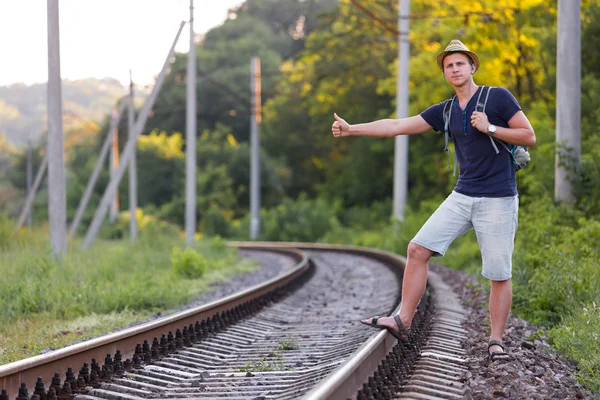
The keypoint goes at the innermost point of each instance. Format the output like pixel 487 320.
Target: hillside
pixel 23 107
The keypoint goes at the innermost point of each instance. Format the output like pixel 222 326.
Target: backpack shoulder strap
pixel 484 94
pixel 447 115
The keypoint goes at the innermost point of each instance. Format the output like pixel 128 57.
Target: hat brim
pixel 473 56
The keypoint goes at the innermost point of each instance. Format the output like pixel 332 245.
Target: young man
pixel 485 197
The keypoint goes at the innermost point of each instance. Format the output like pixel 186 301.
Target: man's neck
pixel 464 92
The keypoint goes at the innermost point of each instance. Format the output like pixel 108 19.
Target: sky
pixel 99 38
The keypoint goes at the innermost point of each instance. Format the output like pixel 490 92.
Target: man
pixel 485 197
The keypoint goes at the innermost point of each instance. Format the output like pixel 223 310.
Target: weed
pixel 271 362
pixel 288 345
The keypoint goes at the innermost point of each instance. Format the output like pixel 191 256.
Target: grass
pixel 49 303
pixel 42 333
pixel 578 338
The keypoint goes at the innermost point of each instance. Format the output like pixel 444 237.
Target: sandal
pixel 402 333
pixel 497 355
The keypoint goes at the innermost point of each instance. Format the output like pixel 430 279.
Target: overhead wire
pixel 384 22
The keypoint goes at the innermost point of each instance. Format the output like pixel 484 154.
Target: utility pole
pixel 401 141
pixel 96 172
pixel 57 199
pixel 29 179
pixel 132 166
pixel 190 139
pixel 255 120
pixel 568 100
pixel 114 165
pixel 129 148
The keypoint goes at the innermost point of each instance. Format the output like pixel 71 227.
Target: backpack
pixel 520 154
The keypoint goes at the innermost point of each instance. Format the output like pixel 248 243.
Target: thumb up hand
pixel 340 127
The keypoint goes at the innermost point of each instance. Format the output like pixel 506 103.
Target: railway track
pixel 295 336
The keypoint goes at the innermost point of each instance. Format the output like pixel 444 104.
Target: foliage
pixel 147 223
pixel 324 77
pixel 188 263
pixel 256 29
pixel 222 183
pixel 361 84
pixel 557 258
pixel 302 220
pixel 161 169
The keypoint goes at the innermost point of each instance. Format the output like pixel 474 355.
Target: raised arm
pixel 380 128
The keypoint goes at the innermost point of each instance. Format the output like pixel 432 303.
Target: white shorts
pixel 495 220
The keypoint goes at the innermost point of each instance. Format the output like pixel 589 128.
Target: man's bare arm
pixel 519 131
pixel 380 128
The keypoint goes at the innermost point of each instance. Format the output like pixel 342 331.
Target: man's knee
pixel 418 253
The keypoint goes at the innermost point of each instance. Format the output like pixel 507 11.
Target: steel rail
pixel 345 381
pixel 442 352
pixel 46 365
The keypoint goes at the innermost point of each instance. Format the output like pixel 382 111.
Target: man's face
pixel 457 68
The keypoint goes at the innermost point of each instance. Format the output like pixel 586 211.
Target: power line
pixel 226 88
pixel 374 17
pixel 91 125
pixel 384 22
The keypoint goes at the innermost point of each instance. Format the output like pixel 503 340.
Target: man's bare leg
pixel 413 286
pixel 500 303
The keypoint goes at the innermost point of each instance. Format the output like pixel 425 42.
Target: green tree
pixel 259 29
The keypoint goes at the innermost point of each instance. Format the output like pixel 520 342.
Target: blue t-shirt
pixel 483 173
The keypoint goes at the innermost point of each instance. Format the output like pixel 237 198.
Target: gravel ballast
pixel 534 371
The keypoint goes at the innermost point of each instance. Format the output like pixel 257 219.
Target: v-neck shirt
pixel 483 172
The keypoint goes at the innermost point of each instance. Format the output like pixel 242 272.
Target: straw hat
pixel 456 46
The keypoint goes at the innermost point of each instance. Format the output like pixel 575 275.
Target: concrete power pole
pixel 114 165
pixel 568 99
pixel 255 120
pixel 129 148
pixel 132 167
pixel 29 179
pixel 190 139
pixel 57 202
pixel 401 142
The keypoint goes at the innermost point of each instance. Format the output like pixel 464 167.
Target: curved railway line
pixel 294 336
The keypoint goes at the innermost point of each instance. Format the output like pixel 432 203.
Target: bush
pixel 302 220
pixel 148 226
pixel 188 263
pixel 556 262
pixel 363 218
pixel 216 222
